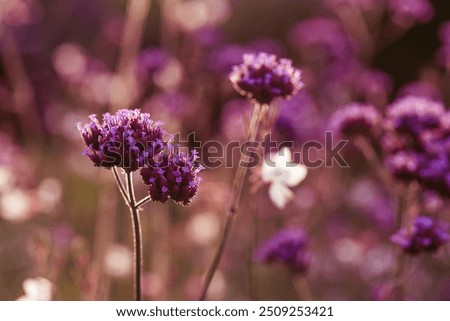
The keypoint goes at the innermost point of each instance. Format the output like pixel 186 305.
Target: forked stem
pixel 234 200
pixel 122 189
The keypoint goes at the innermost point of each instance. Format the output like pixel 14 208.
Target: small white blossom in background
pixel 203 228
pixel 118 261
pixel 281 172
pixel 37 289
pixel 16 205
pixel 48 194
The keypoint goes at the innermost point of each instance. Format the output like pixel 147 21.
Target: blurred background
pixel 65 232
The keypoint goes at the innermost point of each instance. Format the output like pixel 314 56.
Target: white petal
pixel 38 289
pixel 295 174
pixel 273 168
pixel 280 195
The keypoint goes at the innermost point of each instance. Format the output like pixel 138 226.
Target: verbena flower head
pixel 125 139
pixel 404 165
pixel 355 119
pixel 172 176
pixel 264 77
pixel 417 143
pixel 412 115
pixel 289 247
pixel 426 235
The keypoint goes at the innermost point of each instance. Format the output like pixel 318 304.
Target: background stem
pixel 235 196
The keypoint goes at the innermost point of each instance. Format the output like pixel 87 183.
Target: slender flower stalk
pixel 130 140
pixel 261 78
pixel 233 201
pixel 302 288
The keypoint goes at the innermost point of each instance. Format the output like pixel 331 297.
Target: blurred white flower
pixel 118 261
pixel 36 289
pixel 16 205
pixel 203 228
pixel 48 194
pixel 282 173
pixel 6 179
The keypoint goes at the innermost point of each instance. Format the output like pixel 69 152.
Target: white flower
pixel 282 173
pixel 37 289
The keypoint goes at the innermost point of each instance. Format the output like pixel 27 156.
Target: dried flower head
pixel 172 176
pixel 426 235
pixel 288 247
pixel 125 139
pixel 355 119
pixel 264 77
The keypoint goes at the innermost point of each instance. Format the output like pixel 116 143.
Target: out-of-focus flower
pixel 413 115
pixel 444 32
pixel 290 122
pixel 17 13
pixel 355 119
pixel 37 289
pixel 48 194
pixel 279 170
pixel 426 235
pixel 16 205
pixel 349 251
pixel 420 89
pixel 403 165
pixel 70 61
pixel 416 143
pixel 374 85
pixel 126 139
pixel 321 39
pixel 151 60
pixel 170 75
pixel 203 228
pixel 172 176
pixel 201 13
pixel 264 77
pixel 406 12
pixel 118 261
pixel 62 236
pixel 289 247
pixel 371 200
pixel 6 179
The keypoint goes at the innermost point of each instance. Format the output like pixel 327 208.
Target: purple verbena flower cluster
pixel 264 77
pixel 416 142
pixel 172 176
pixel 124 139
pixel 426 235
pixel 131 140
pixel 289 247
pixel 355 119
